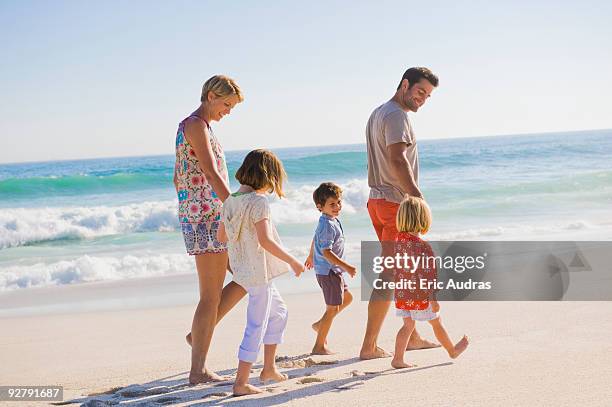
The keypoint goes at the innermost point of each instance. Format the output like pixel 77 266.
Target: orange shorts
pixel 383 213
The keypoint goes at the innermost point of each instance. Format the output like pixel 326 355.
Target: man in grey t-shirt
pixel 393 174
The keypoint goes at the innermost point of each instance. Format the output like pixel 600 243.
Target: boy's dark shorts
pixel 333 286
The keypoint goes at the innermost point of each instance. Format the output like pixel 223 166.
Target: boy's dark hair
pixel 324 191
pixel 416 74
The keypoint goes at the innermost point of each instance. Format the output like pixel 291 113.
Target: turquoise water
pixel 88 220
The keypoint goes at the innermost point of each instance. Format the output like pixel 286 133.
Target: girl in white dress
pixel 256 257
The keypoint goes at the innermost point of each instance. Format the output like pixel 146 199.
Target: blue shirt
pixel 329 235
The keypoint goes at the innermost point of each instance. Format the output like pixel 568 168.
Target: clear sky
pixel 82 79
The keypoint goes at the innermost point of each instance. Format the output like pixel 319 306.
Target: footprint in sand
pixel 94 403
pixel 166 400
pixel 308 362
pixel 311 379
pixel 144 392
pixel 349 386
pixel 220 394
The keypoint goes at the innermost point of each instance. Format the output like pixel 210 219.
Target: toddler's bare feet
pixel 460 347
pixel 317 350
pixel 400 364
pixel 245 389
pixel 271 376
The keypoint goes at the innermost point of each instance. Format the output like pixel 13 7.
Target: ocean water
pixel 72 222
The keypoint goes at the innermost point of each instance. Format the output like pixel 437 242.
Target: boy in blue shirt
pixel 326 256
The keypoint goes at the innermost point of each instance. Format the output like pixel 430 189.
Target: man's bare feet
pixel 421 344
pixel 188 338
pixel 206 377
pixel 460 347
pixel 245 389
pixel 272 376
pixel 322 351
pixel 375 354
pixel 400 364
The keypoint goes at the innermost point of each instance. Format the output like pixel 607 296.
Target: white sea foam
pixel 92 268
pixel 22 226
pixel 106 267
pixel 552 230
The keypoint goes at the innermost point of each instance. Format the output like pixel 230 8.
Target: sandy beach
pixel 521 353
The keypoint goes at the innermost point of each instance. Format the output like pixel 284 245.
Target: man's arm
pixel 396 154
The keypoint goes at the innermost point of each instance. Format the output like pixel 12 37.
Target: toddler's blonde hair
pixel 413 216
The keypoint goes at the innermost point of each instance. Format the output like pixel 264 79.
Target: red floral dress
pixel 418 298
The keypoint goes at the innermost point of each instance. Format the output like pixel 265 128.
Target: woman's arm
pixel 198 137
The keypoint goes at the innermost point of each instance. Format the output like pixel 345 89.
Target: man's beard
pixel 411 104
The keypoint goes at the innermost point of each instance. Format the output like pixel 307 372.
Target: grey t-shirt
pixel 389 124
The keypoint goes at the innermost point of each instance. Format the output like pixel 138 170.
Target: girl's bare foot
pixel 272 376
pixel 206 377
pixel 321 351
pixel 460 347
pixel 400 364
pixel 245 389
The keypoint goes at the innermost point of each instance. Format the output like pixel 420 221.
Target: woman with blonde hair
pixel 202 185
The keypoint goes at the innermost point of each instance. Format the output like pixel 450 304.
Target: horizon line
pixel 309 146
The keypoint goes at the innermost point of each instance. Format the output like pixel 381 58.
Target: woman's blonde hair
pixel 262 169
pixel 221 86
pixel 413 216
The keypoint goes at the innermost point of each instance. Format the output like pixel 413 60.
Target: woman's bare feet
pixel 245 389
pixel 322 351
pixel 375 354
pixel 272 376
pixel 460 347
pixel 400 364
pixel 206 377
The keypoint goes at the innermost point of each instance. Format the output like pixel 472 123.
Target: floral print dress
pixel 199 208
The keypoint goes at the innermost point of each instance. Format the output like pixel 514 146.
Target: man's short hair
pixel 413 75
pixel 324 191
